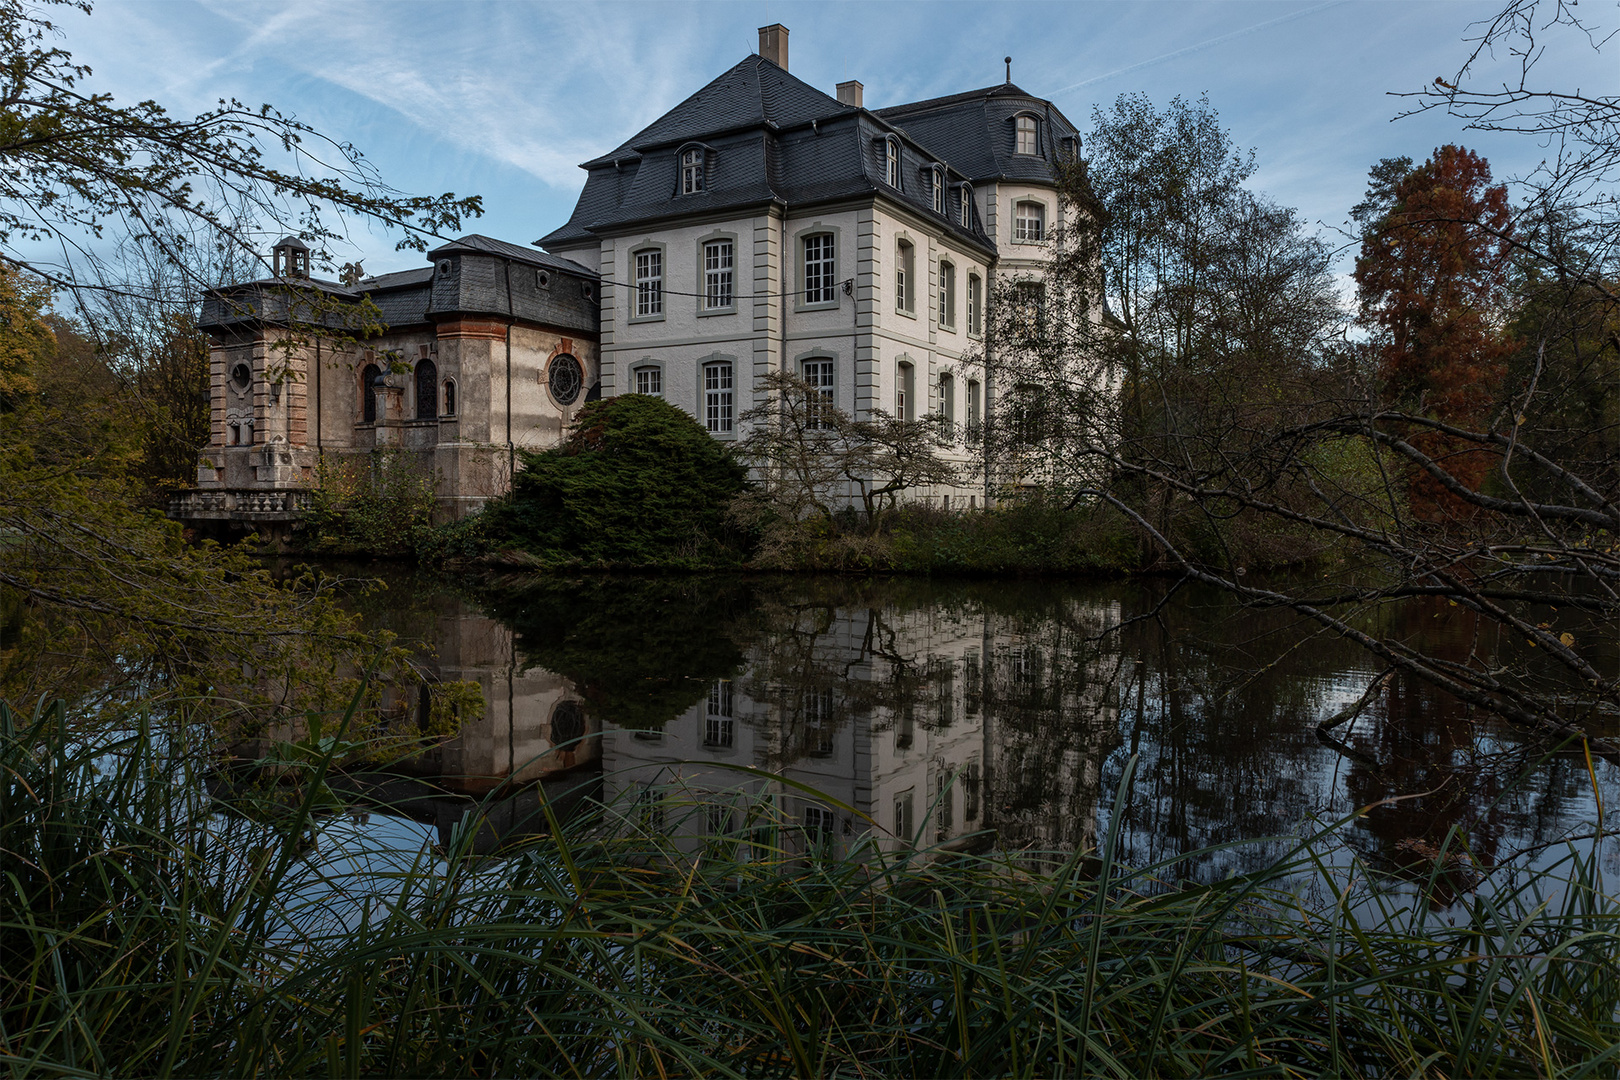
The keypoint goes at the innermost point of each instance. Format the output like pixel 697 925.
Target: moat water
pixel 968 713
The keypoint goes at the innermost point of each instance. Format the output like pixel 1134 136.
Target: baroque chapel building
pixel 760 225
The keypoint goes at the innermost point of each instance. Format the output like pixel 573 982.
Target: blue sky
pixel 505 99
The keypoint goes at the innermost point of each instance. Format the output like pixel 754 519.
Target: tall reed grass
pixel 143 932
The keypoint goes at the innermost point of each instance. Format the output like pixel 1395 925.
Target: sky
pixel 505 99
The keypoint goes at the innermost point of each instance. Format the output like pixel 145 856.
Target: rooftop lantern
pixel 290 258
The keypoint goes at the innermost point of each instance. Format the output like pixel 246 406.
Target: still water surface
pixel 960 713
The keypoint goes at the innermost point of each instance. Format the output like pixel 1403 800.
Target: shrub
pixel 636 483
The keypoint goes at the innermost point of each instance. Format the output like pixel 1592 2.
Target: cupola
pixel 290 258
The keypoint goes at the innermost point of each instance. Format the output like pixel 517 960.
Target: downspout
pixel 511 450
pixel 989 379
pixel 317 398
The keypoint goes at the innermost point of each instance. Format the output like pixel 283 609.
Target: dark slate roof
pixel 754 93
pixel 418 276
pixel 488 245
pixel 974 132
pixel 772 138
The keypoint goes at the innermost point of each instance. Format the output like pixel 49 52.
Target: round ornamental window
pixel 565 379
pixel 241 376
pixel 567 722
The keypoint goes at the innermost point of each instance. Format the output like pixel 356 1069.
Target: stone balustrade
pixel 285 504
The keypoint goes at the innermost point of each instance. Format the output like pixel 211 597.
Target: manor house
pixel 760 225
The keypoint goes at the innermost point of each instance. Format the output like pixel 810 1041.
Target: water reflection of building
pixel 926 727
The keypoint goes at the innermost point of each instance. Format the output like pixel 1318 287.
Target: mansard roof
pixel 769 138
pixel 974 131
pixel 488 245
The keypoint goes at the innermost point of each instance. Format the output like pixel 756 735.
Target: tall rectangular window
pixel 972 404
pixel 1027 143
pixel 649 283
pixel 947 295
pixel 819 375
pixel 939 192
pixel 820 273
pixel 947 398
pixel 891 162
pixel 904 393
pixel 717 267
pixel 650 380
pixel 975 304
pixel 691 172
pixel 718 409
pixel 902 818
pixel 905 273
pixel 1029 225
pixel 966 207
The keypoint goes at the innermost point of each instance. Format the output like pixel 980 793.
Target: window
pixel 1029 223
pixel 902 818
pixel 717 264
pixel 236 433
pixel 720 732
pixel 719 819
pixel 720 699
pixel 891 160
pixel 904 392
pixel 818 722
pixel 449 397
pixel 427 390
pixel 972 404
pixel 368 393
pixel 970 788
pixel 1026 140
pixel 717 401
pixel 975 303
pixel 1069 148
pixel 565 379
pixel 947 295
pixel 649 283
pixel 947 398
pixel 819 375
pixel 939 189
pixel 650 809
pixel 691 172
pixel 820 824
pixel 650 381
pixel 905 271
pixel 819 269
pixel 1029 305
pixel 945 809
pixel 966 208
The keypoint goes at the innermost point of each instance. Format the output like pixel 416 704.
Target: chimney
pixel 773 44
pixel 849 93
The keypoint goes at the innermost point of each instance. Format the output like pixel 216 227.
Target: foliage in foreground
pixel 144 935
pixel 636 483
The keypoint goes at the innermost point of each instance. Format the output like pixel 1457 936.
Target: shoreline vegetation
pixel 153 928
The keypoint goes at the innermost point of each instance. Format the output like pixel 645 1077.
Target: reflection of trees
pixel 641 650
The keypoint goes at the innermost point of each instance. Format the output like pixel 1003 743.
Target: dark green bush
pixel 637 483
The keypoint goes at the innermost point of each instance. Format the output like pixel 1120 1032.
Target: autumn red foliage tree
pixel 1432 277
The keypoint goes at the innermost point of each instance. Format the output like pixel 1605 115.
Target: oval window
pixel 565 379
pixel 241 376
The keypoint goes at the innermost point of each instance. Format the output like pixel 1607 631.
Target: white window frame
pixel 1026 135
pixel 891 162
pixel 820 271
pixel 939 189
pixel 692 171
pixel 905 391
pixel 966 209
pixel 972 403
pixel 947 397
pixel 1029 228
pixel 905 274
pixel 975 304
pixel 719 398
pixel 819 373
pixel 719 274
pixel 649 380
pixel 649 270
pixel 947 294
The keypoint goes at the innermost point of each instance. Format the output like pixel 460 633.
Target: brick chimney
pixel 773 44
pixel 849 93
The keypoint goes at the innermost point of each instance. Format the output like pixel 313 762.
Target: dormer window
pixel 691 171
pixel 966 209
pixel 891 159
pixel 938 176
pixel 1027 129
pixel 1069 148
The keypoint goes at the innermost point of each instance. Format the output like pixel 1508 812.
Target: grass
pixel 143 932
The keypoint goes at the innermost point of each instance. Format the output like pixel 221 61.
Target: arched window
pixel 449 397
pixel 368 393
pixel 427 390
pixel 1027 143
pixel 966 207
pixel 691 171
pixel 891 159
pixel 1029 223
pixel 938 175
